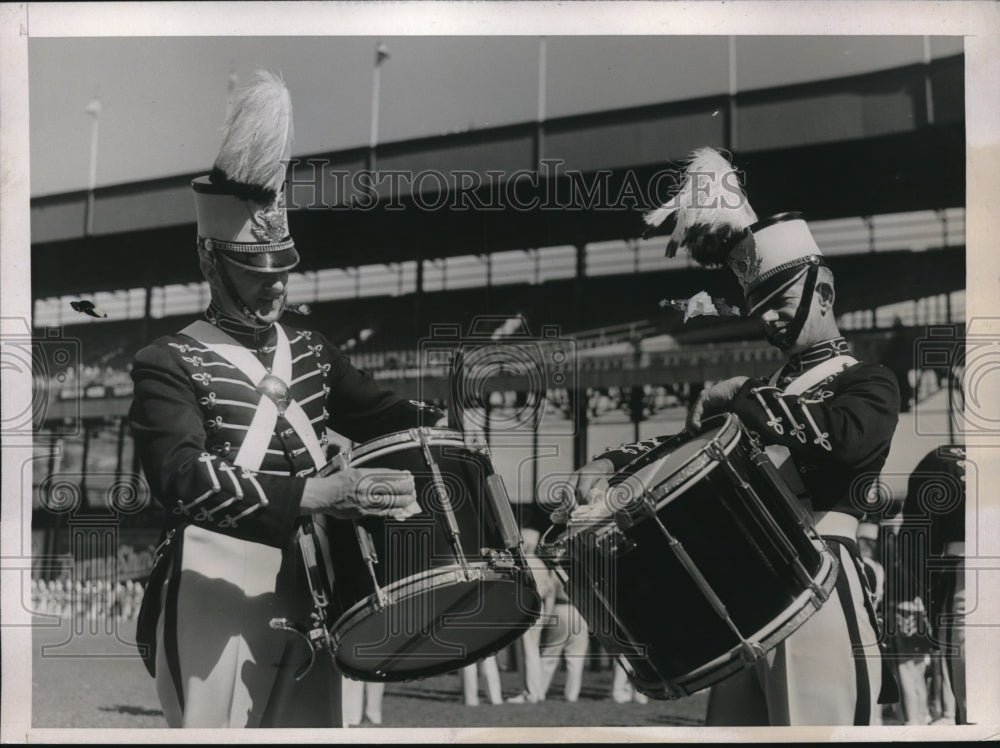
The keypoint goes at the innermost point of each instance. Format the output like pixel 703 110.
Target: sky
pixel 163 99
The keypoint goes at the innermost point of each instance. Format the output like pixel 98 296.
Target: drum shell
pixel 643 604
pixel 422 573
pixel 418 543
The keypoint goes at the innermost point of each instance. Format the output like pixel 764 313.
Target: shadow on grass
pixel 676 720
pixel 134 710
pixel 428 694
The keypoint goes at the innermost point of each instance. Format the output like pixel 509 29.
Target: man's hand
pixel 353 493
pixel 587 485
pixel 713 400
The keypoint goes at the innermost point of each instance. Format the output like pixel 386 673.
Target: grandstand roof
pixel 851 146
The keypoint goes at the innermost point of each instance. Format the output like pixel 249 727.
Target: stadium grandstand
pixel 558 249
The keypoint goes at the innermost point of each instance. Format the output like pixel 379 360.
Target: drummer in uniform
pixel 935 507
pixel 827 422
pixel 230 419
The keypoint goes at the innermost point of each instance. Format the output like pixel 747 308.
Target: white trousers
pixel 826 673
pixel 218 662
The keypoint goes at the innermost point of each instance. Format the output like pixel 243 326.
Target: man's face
pixel 263 293
pixel 779 315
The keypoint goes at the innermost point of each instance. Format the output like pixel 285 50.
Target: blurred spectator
pixel 898 357
pixel 907 627
pixel 533 686
pixel 568 638
pixel 942 698
pixel 912 651
pixel 95 600
pixel 361 702
pixel 935 505
pixel 491 674
pixel 622 691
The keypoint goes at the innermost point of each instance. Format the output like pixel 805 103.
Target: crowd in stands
pixel 90 599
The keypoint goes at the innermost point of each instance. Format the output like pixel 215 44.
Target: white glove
pixel 588 484
pixel 353 493
pixel 714 400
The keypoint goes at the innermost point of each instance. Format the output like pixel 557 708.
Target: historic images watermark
pixel 53 361
pixel 479 360
pixel 316 184
pixel 967 356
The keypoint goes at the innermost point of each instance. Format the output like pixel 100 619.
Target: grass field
pixel 85 680
pixel 96 681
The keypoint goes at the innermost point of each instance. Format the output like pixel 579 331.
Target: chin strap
pixel 227 283
pixel 805 303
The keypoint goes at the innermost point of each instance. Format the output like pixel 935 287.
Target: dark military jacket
pixel 192 410
pixel 837 432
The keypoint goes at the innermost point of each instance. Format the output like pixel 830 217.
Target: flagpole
pixel 381 54
pixel 928 87
pixel 94 111
pixel 231 83
pixel 540 122
pixel 733 88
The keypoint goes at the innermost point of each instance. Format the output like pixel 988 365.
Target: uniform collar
pixel 816 354
pixel 258 338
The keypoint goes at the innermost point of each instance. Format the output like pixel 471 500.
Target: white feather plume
pixel 257 143
pixel 708 211
pixel 656 217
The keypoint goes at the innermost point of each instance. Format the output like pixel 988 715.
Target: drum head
pixel 663 469
pixel 434 623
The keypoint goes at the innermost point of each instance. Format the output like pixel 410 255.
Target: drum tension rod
pixel 752 650
pixel 318 635
pixel 370 557
pixel 442 494
pixel 820 596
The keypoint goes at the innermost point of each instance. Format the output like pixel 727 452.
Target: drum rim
pixel 423 582
pixel 408 587
pixel 547 551
pixel 697 465
pixel 435 436
pixel 700 464
pixel 768 637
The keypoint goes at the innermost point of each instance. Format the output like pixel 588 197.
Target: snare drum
pixel 704 561
pixel 441 589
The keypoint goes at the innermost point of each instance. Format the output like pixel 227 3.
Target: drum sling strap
pixel 254 446
pixel 311 533
pixel 780 455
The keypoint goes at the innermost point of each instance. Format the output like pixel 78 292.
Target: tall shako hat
pixel 241 204
pixel 711 216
